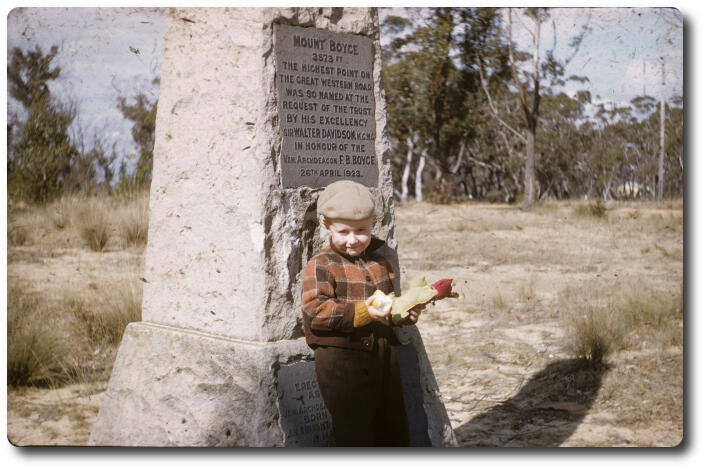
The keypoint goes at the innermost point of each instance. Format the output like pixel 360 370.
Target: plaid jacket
pixel 332 284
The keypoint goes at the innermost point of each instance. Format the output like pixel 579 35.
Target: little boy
pixel 353 342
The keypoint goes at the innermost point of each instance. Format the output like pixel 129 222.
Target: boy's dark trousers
pixel 363 393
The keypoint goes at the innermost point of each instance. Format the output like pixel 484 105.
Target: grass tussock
pixel 93 224
pixel 18 235
pixel 631 317
pixel 595 209
pixel 60 213
pixel 57 343
pixel 594 334
pixel 499 302
pixel 674 204
pixel 134 222
pixel 547 205
pixel 82 222
pixel 35 350
pixel 668 223
pixel 103 323
pixel 527 293
pixel 458 226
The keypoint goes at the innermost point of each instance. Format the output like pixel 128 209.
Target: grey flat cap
pixel 346 200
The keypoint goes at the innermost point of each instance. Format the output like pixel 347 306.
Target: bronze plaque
pixel 326 107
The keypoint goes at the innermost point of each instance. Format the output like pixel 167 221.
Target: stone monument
pixel 259 109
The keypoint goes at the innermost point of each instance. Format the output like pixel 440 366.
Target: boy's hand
pixel 413 316
pixel 375 314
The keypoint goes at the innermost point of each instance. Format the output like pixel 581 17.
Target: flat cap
pixel 346 200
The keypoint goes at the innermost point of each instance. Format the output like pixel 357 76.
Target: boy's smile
pixel 350 237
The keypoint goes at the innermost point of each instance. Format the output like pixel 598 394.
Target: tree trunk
pixel 418 183
pixel 660 167
pixel 407 168
pixel 529 172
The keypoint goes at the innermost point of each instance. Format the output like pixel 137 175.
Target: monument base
pixel 177 387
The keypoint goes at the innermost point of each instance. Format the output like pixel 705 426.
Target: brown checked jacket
pixel 333 284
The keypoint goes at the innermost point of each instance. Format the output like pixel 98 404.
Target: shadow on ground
pixel 544 413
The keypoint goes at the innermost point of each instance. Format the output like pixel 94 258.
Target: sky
pixel 621 52
pixel 104 53
pixel 99 58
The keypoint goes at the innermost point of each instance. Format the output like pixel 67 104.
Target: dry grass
pixel 35 349
pixel 103 323
pixel 514 267
pixel 527 293
pixel 499 303
pixel 601 323
pixel 594 333
pixel 547 205
pixel 53 343
pixel 595 209
pixel 18 235
pixel 101 223
pixel 93 224
pixel 60 213
pixel 564 287
pixel 133 220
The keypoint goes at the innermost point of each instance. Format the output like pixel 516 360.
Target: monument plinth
pixel 259 108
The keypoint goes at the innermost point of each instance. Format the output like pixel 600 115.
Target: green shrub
pixel 595 209
pixel 495 196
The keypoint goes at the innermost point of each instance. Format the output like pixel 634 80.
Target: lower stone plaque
pixel 303 414
pixel 306 421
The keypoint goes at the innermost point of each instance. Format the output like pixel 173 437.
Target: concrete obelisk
pixel 245 141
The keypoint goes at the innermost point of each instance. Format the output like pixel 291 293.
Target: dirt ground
pixel 499 355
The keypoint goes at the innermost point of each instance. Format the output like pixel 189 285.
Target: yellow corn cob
pixel 420 293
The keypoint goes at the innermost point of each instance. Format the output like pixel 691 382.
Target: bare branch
pixel 577 40
pixel 493 109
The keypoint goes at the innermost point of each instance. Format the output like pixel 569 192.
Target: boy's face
pixel 351 237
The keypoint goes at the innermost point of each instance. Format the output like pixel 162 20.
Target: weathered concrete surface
pixel 227 245
pixel 172 387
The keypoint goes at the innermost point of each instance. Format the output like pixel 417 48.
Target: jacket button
pixel 366 342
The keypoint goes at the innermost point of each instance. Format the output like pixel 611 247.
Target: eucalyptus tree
pixel 141 110
pixel 562 144
pixel 532 78
pixel 41 153
pixel 491 142
pixel 425 100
